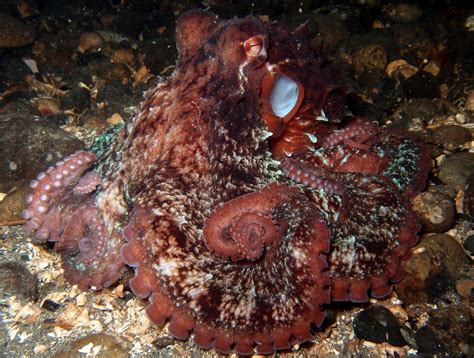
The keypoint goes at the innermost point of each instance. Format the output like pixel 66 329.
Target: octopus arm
pixel 61 209
pixel 372 228
pixel 259 304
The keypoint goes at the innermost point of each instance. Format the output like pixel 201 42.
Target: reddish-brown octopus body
pixel 241 207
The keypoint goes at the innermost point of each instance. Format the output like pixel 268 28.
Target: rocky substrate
pixel 69 71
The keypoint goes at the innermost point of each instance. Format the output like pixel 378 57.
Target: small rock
pixel 456 169
pixel 163 341
pixel 436 211
pixel 60 119
pixel 142 75
pixel 47 106
pixel 330 30
pixel 431 272
pixel 33 145
pixel 98 345
pixel 469 244
pixel 427 342
pixel 452 326
pixel 77 99
pixel 468 200
pixel 115 97
pixel 14 33
pixel 90 41
pixel 469 23
pixel 124 56
pixel 377 324
pixel 402 67
pixel 423 109
pixel 50 305
pixel 115 119
pixel 12 205
pixel 422 85
pixel 372 56
pixel 94 122
pixel 119 71
pixel 17 280
pixel 404 13
pixel 465 286
pixel 469 104
pixel 158 55
pixel 451 136
pixel 432 67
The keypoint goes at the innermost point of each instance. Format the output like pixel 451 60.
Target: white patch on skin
pixel 299 257
pixel 312 137
pixel 322 117
pixel 167 267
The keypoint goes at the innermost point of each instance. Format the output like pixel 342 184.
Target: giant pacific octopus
pixel 242 195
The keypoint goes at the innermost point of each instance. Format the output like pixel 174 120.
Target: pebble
pixel 432 67
pixel 465 287
pixel 372 56
pixel 404 13
pixel 158 55
pixel 436 211
pixel 400 67
pixel 422 109
pixel 115 97
pixel 163 342
pixel 124 56
pixel 431 272
pixel 50 305
pixel 456 169
pixel 469 244
pixel 469 103
pixel 421 85
pixel 427 342
pixel 119 71
pixel 377 324
pixel 13 204
pixel 330 30
pixel 90 41
pixel 47 106
pixel 77 99
pixel 14 33
pixel 468 200
pixel 99 345
pixel 17 280
pixel 450 326
pixel 33 145
pixel 450 136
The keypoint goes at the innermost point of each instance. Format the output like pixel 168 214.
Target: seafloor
pixel 70 70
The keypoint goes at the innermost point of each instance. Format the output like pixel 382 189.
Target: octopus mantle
pixel 240 195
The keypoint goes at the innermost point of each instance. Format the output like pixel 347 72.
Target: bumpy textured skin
pixel 229 245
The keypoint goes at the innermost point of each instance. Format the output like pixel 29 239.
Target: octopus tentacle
pixel 223 302
pixel 370 235
pixel 61 209
pixel 356 134
pixel 87 183
pixel 50 188
pixel 310 176
pixel 242 227
pixel 90 254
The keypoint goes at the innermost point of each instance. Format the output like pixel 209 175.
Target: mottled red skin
pixel 228 244
pixel 325 93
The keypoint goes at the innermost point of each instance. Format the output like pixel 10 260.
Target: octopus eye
pixel 285 96
pixel 254 46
